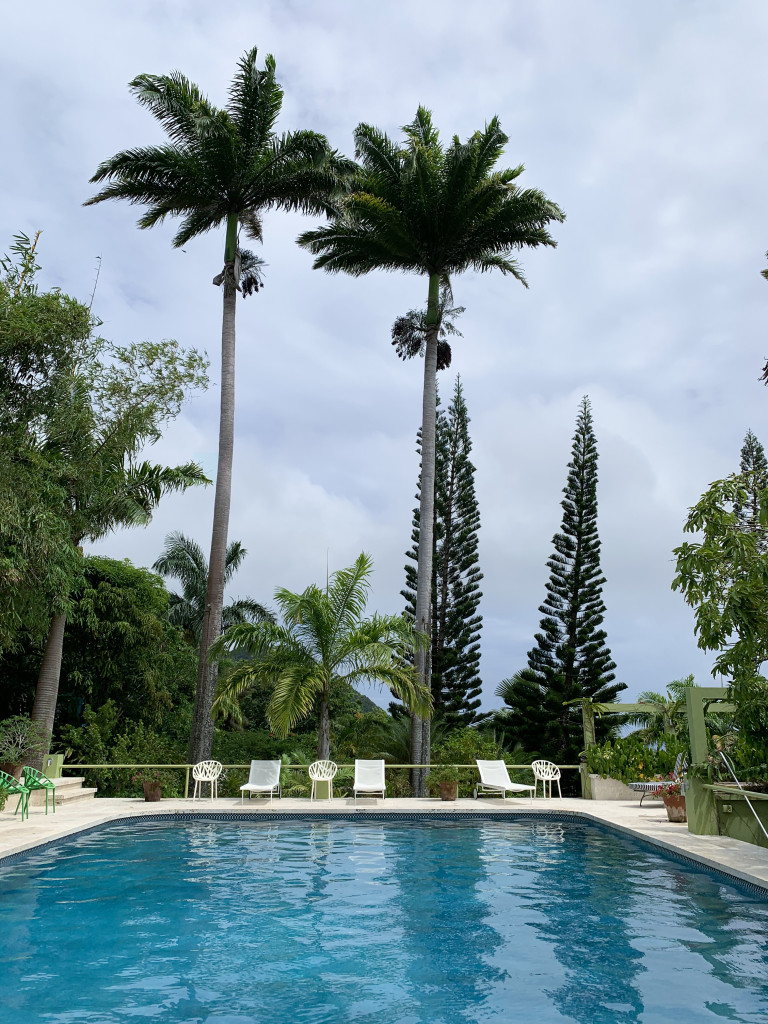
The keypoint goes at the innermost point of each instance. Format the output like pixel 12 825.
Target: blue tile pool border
pixel 376 815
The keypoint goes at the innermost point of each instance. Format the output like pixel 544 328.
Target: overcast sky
pixel 644 122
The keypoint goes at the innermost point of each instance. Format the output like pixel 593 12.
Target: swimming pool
pixel 377 922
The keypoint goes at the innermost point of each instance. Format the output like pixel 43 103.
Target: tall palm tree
pixel 183 559
pixel 220 167
pixel 322 644
pixel 436 211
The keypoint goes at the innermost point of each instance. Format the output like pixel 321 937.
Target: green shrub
pixel 21 740
pixel 628 759
pixel 465 746
pixel 99 741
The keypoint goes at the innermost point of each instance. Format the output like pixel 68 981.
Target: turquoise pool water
pixel 376 922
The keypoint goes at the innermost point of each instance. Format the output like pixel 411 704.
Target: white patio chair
pixel 322 771
pixel 206 771
pixel 369 778
pixel 545 772
pixel 494 778
pixel 264 777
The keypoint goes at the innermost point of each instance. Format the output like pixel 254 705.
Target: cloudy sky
pixel 645 122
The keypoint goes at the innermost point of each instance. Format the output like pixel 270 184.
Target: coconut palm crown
pixel 424 208
pixel 221 167
pixel 322 643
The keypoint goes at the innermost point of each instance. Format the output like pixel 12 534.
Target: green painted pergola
pixel 699 801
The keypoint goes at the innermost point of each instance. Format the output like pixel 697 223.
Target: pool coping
pixel 731 859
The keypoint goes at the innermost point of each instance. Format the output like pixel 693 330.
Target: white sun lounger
pixel 369 779
pixel 264 777
pixel 494 778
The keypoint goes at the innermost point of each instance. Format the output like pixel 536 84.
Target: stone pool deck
pixel 649 822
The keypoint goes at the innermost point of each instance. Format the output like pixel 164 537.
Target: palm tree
pixel 323 643
pixel 437 211
pixel 665 715
pixel 101 491
pixel 220 167
pixel 183 559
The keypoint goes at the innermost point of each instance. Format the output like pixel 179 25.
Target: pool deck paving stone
pixel 649 822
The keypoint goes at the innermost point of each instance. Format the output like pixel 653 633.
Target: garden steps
pixel 68 790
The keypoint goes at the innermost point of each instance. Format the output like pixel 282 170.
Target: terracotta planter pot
pixel 152 791
pixel 449 790
pixel 12 769
pixel 675 804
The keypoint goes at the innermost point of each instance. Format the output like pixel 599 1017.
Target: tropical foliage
pixel 724 578
pixel 322 644
pixel 79 460
pixel 183 559
pixel 665 716
pixel 631 759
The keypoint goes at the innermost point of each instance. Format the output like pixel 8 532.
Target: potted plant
pixel 21 740
pixel 446 778
pixel 674 801
pixel 152 781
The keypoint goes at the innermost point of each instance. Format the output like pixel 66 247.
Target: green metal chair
pixel 34 779
pixel 13 787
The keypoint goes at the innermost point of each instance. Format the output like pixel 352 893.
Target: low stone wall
pixel 610 789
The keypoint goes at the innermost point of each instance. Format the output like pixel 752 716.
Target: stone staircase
pixel 68 791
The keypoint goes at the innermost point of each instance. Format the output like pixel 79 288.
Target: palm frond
pixel 243 610
pixel 251 272
pixel 178 104
pixel 296 690
pixel 409 332
pixel 255 101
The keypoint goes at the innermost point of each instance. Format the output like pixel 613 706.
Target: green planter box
pixel 739 822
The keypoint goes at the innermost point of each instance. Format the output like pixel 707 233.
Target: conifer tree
pixel 754 472
pixel 455 624
pixel 571 658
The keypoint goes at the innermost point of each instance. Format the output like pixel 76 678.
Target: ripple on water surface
pixel 376 922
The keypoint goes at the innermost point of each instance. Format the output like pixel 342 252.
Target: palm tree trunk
pixel 201 740
pixel 47 692
pixel 324 731
pixel 420 755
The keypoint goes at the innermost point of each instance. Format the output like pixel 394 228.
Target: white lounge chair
pixel 206 771
pixel 264 777
pixel 322 771
pixel 494 778
pixel 369 778
pixel 546 772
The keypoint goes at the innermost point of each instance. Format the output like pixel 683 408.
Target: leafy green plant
pixel 21 739
pixel 100 741
pixel 465 746
pixel 442 773
pixel 628 759
pixel 154 777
